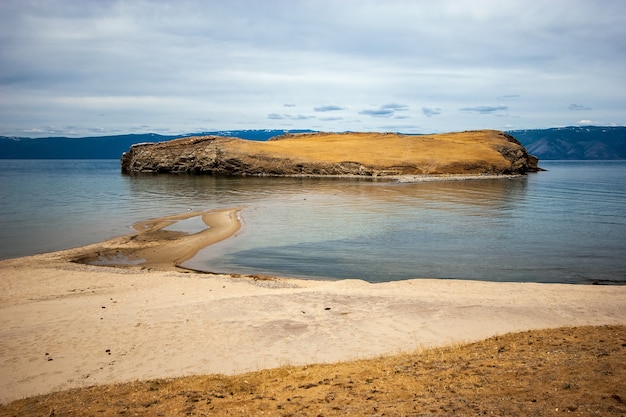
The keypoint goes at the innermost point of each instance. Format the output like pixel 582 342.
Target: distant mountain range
pixel 574 142
pixel 106 147
pixel 589 142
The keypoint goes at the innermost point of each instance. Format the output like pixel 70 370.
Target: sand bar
pixel 65 324
pixel 159 243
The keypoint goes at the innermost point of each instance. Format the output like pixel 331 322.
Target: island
pixel 336 154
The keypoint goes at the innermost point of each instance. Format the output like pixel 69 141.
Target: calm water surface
pixel 564 225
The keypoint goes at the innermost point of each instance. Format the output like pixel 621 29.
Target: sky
pixel 106 67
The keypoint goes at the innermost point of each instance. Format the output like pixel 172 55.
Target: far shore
pixel 67 323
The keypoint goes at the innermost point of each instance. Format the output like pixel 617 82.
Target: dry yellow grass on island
pixel 141 336
pixel 419 154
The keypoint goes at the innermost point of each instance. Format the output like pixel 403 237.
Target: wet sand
pixel 159 244
pixel 65 323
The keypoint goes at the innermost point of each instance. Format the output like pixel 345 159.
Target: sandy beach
pixel 66 322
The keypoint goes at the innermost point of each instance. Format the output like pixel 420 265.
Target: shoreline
pixel 65 323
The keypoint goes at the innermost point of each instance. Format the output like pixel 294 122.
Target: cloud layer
pixel 79 67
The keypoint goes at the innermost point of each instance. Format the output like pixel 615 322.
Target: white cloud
pixel 386 110
pixel 276 116
pixel 577 107
pixel 508 97
pixel 431 111
pixel 171 66
pixel 328 107
pixel 379 112
pixel 484 109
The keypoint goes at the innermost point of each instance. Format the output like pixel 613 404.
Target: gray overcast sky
pixel 96 67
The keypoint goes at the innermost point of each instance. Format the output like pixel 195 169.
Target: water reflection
pixel 373 230
pixel 210 191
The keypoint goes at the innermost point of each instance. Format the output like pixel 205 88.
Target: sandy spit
pixel 65 324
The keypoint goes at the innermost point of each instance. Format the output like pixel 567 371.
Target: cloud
pixel 329 107
pixel 168 64
pixel 276 116
pixel 406 128
pixel 431 111
pixel 377 112
pixel 386 110
pixel 577 107
pixel 586 122
pixel 508 97
pixel 395 107
pixel 484 109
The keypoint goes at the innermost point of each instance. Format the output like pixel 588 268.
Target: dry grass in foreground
pixel 575 371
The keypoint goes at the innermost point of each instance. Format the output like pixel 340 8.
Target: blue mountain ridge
pixel 572 142
pixel 107 147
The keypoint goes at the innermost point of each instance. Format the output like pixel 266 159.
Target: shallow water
pixel 191 225
pixel 564 225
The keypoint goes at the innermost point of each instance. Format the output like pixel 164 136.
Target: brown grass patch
pixel 576 371
pixel 428 152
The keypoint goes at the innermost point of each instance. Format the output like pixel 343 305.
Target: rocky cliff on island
pixel 319 154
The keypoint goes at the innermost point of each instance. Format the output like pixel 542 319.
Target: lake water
pixel 567 224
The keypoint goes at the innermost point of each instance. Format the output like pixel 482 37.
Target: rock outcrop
pixel 359 154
